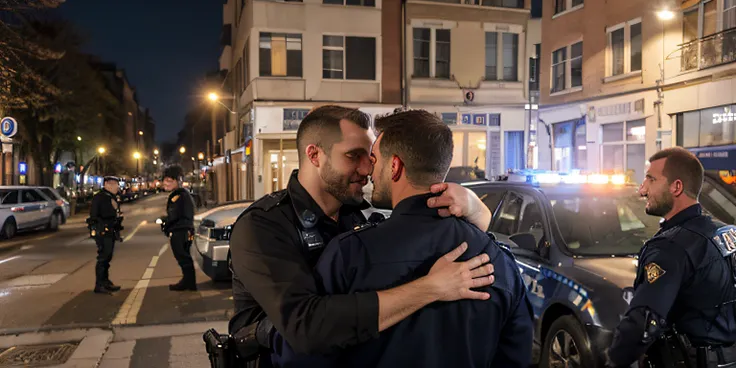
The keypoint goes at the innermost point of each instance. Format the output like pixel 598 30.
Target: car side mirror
pixel 525 241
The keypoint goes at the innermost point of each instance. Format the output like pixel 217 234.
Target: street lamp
pixel 101 150
pixel 155 152
pixel 140 132
pixel 200 156
pixel 665 14
pixel 137 157
pixel 182 150
pixel 212 96
pixel 79 138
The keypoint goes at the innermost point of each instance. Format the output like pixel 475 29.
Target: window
pixel 429 64
pixel 491 197
pixel 514 150
pixel 50 194
pixel 622 151
pixel 9 196
pixel 450 118
pixel 491 55
pixel 562 5
pixel 348 58
pixel 567 73
pixel 507 220
pixel 519 4
pixel 280 55
pixel 351 2
pixel 729 14
pixel 559 58
pixel 30 196
pixel 509 42
pixel 624 48
pixel 510 56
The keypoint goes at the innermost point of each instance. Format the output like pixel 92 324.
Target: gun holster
pixel 92 227
pixel 221 350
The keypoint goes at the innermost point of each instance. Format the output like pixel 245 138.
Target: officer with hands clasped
pixel 104 224
pixel 178 225
pixel 683 312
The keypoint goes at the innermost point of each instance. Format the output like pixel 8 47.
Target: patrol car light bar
pixel 550 177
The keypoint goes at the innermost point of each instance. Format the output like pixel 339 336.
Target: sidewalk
pixel 178 345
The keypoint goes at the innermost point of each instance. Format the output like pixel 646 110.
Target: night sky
pixel 165 46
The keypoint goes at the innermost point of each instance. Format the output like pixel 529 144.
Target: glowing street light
pixel 200 156
pixel 665 14
pixel 137 156
pixel 140 132
pixel 79 138
pixel 182 149
pixel 155 152
pixel 212 96
pixel 101 150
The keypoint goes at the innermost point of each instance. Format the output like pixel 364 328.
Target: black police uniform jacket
pixel 469 333
pixel 685 280
pixel 179 211
pixel 104 210
pixel 273 273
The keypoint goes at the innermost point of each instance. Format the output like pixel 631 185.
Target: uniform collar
pixel 307 209
pixel 682 216
pixel 415 205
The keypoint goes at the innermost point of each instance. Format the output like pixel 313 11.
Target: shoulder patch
pixel 654 272
pixel 175 198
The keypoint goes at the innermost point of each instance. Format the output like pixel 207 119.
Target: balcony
pixel 709 51
pixel 515 4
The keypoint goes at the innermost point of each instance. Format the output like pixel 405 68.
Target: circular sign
pixel 469 96
pixel 8 127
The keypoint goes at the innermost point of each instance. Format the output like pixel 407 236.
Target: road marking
pixel 128 313
pixel 9 259
pixel 135 230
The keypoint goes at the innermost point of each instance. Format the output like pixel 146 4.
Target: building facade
pixel 467 62
pixel 622 80
pixel 285 58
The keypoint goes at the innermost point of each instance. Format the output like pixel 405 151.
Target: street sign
pixel 8 126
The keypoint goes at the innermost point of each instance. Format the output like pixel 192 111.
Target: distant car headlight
pixel 221 234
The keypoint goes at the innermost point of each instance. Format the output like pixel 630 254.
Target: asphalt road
pixel 46 279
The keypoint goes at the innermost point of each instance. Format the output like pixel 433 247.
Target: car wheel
pixel 54 222
pixel 566 345
pixel 9 229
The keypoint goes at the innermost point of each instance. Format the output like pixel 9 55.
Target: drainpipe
pixel 405 78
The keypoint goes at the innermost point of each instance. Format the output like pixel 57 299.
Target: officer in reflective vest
pixel 683 309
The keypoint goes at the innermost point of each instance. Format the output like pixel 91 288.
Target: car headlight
pixel 221 234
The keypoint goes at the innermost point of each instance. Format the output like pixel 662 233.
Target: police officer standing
pixel 684 304
pixel 104 223
pixel 179 226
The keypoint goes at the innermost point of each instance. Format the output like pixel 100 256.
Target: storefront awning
pixel 716 158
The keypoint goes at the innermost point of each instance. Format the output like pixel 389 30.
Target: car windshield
pixel 603 222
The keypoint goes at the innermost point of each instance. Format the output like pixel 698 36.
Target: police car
pixel 576 239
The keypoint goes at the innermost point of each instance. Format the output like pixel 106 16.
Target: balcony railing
pixel 709 51
pixel 516 4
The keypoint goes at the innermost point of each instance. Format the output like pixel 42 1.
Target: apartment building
pixel 286 57
pixel 621 80
pixel 467 62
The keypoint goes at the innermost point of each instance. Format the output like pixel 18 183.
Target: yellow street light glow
pixel 137 155
pixel 200 156
pixel 182 149
pixel 665 14
pixel 79 138
pixel 140 132
pixel 155 152
pixel 101 150
pixel 213 96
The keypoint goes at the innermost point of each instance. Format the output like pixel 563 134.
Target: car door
pixel 9 204
pixel 35 208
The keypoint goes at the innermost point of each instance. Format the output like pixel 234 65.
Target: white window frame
pixel 432 49
pixel 622 142
pixel 499 55
pixel 722 13
pixel 568 88
pixel 568 8
pixel 335 48
pixel 626 26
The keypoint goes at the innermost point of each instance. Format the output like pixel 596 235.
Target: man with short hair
pixel 102 223
pixel 414 151
pixel 277 240
pixel 685 277
pixel 179 226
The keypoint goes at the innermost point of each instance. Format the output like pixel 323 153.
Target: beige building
pixel 606 98
pixel 466 61
pixel 286 57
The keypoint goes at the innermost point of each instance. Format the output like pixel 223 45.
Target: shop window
pixel 514 145
pixel 458 150
pixel 477 149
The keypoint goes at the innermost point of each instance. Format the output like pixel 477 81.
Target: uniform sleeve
pixel 662 270
pixel 274 270
pixel 94 211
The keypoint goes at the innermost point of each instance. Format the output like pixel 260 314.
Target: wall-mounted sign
pixel 480 119
pixel 716 158
pixel 469 96
pixel 8 127
pixel 22 168
pixel 466 119
pixel 293 117
pixel 725 117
